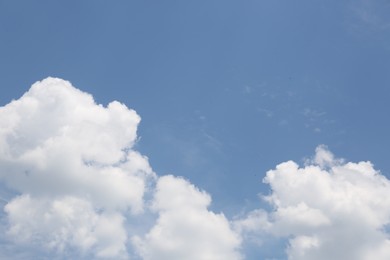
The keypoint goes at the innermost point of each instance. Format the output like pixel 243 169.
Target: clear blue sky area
pixel 226 89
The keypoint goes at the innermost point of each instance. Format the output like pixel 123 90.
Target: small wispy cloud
pixel 248 89
pixel 315 119
pixel 266 112
pixel 372 14
pixel 313 114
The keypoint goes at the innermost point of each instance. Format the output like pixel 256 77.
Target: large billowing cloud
pixel 78 185
pixel 72 165
pixel 329 209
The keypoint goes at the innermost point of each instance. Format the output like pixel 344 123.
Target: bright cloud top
pixel 80 185
pixel 72 163
pixel 328 209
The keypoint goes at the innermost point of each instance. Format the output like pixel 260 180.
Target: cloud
pixel 75 186
pixel 371 15
pixel 328 209
pixel 78 186
pixel 72 165
pixel 67 222
pixel 185 228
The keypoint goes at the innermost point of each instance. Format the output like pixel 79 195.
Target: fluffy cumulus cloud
pixel 185 229
pixel 77 185
pixel 71 163
pixel 328 209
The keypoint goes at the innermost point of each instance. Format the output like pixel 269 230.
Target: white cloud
pixel 328 209
pixel 67 222
pixel 71 161
pixel 185 228
pixel 78 186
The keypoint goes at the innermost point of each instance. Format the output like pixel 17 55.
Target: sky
pixel 210 129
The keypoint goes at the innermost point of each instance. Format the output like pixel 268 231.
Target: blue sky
pixel 226 90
